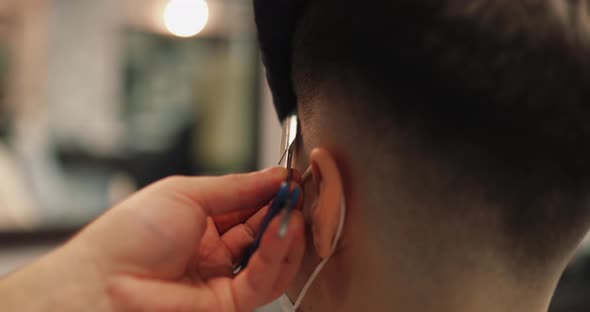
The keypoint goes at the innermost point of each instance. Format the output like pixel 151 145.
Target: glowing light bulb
pixel 186 18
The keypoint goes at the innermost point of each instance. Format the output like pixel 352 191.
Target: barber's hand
pixel 173 247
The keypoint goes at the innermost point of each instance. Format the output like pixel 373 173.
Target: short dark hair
pixel 500 88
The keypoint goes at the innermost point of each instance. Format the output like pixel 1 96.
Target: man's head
pixel 460 125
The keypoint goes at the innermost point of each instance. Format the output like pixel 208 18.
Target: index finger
pixel 226 221
pixel 230 193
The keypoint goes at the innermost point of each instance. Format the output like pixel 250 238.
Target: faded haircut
pixel 498 89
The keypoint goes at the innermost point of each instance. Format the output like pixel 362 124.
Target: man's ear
pixel 326 213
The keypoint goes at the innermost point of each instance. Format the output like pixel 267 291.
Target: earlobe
pixel 326 214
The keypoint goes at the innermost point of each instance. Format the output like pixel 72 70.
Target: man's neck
pixel 365 276
pixel 394 279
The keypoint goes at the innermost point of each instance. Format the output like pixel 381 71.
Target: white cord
pixel 324 261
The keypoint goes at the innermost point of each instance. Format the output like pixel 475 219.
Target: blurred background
pixel 101 98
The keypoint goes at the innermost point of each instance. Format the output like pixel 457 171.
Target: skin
pixel 170 247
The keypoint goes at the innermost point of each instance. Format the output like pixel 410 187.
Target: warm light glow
pixel 186 18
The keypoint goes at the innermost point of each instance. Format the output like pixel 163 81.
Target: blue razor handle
pixel 275 208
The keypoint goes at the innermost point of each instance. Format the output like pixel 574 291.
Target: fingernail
pixel 291 203
pixel 284 225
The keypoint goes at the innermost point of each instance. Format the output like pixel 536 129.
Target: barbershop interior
pixel 99 99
